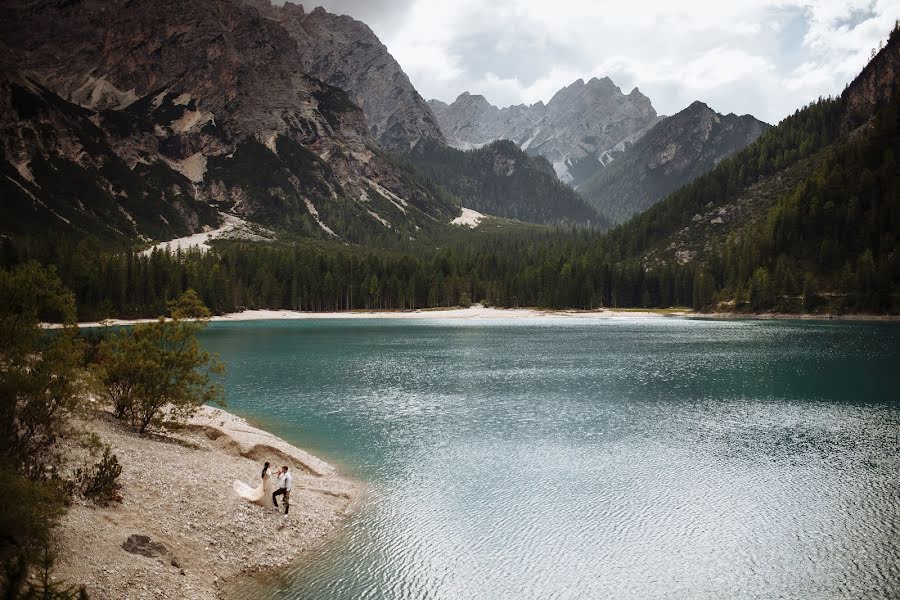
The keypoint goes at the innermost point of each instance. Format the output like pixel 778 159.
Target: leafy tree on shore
pixel 156 374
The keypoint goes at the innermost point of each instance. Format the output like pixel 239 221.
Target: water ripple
pixel 632 459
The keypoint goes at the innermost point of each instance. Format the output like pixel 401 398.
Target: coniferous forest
pixel 502 180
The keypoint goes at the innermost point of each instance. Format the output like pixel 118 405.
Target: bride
pixel 261 494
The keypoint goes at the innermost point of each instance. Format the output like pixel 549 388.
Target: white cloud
pixel 764 57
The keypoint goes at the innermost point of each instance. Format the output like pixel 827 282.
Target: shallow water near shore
pixel 609 458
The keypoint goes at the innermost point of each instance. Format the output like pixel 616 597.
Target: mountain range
pixel 576 130
pixel 137 121
pixel 612 147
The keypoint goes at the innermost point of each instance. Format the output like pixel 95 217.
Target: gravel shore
pixel 177 491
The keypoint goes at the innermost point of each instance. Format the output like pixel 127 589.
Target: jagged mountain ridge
pixel 345 53
pixel 214 92
pixel 576 130
pixel 675 151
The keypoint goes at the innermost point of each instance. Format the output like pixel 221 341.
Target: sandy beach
pixel 479 312
pixel 177 491
pixel 476 312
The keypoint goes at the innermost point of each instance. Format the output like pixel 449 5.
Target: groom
pixel 283 484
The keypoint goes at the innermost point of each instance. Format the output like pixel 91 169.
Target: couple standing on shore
pixel 269 488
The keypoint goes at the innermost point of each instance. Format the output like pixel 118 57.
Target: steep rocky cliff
pixel 576 130
pixel 345 53
pixel 876 84
pixel 675 151
pixel 59 172
pixel 213 96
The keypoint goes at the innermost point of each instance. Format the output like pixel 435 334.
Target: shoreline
pixel 479 312
pixel 177 491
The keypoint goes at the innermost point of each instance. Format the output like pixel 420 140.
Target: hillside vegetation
pixel 500 179
pixel 829 239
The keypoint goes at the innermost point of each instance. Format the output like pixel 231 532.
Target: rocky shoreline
pixel 180 530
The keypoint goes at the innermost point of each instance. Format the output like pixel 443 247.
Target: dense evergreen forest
pixel 501 180
pixel 838 230
pixel 549 268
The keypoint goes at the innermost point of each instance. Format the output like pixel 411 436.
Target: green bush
pixel 100 482
pixel 28 511
pixel 156 373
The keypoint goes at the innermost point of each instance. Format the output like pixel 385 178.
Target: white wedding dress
pixel 261 494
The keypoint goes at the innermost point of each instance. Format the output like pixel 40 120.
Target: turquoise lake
pixel 628 458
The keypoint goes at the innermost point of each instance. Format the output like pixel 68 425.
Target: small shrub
pixel 100 482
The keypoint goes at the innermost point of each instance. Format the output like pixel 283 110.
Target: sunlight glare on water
pixel 587 458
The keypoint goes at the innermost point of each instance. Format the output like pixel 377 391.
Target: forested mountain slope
pixel 807 214
pixel 501 180
pixel 673 152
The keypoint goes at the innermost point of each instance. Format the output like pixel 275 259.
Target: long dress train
pixel 261 494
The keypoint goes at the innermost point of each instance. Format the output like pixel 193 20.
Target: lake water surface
pixel 587 458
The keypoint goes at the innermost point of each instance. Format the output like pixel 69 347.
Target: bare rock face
pixel 677 150
pixel 876 84
pixel 217 95
pixel 576 130
pixel 60 171
pixel 345 53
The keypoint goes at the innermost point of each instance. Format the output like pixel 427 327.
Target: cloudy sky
pixel 764 57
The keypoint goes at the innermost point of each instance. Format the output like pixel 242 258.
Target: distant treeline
pixel 548 269
pixel 563 269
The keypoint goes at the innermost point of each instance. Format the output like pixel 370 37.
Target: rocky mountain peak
pixel 604 84
pixel 295 10
pixel 209 98
pixel 697 106
pixel 345 53
pixel 580 125
pixel 476 100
